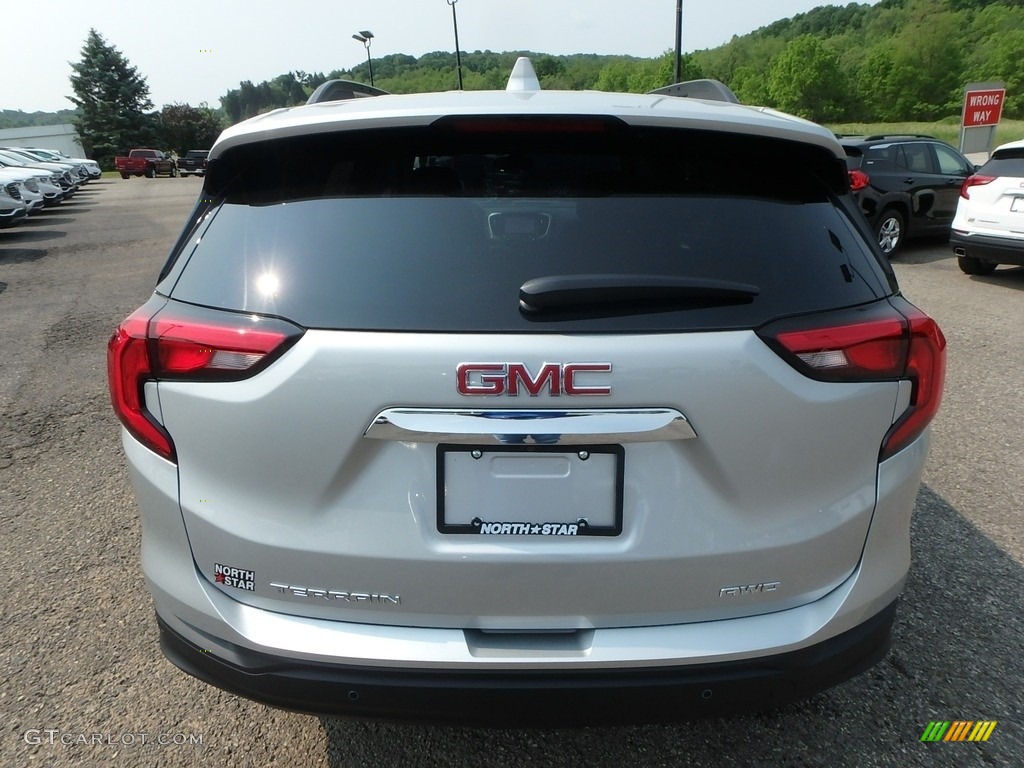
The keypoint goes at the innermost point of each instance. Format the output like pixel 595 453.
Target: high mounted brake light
pixel 185 343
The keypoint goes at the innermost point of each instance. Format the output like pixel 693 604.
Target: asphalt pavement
pixel 82 680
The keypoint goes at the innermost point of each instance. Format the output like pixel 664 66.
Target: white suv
pixel 988 229
pixel 526 407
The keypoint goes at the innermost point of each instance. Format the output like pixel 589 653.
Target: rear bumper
pixel 418 673
pixel 1001 250
pixel 530 698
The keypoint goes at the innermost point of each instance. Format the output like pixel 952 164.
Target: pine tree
pixel 112 100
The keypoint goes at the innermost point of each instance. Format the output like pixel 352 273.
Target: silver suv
pixel 526 407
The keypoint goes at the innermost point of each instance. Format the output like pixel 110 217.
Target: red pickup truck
pixel 145 162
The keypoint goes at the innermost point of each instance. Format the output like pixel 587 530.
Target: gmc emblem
pixel 512 378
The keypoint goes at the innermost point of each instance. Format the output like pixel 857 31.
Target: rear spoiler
pixel 340 90
pixel 710 90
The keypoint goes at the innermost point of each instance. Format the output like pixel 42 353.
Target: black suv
pixel 907 186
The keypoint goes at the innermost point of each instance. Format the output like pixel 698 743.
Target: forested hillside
pixel 893 61
pixel 399 73
pixel 897 60
pixel 15 118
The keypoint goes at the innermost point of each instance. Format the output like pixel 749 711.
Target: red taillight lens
pixel 128 370
pixel 926 368
pixel 974 181
pixel 185 343
pixel 858 180
pixel 184 347
pixel 864 351
pixel 888 345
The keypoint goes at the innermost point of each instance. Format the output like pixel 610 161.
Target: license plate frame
pixel 1017 204
pixel 454 461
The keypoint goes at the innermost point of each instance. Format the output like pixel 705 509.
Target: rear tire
pixel 890 231
pixel 150 173
pixel 125 175
pixel 971 265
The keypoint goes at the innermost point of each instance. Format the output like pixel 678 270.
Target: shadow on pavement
pixel 1006 277
pixel 46 220
pixel 925 250
pixel 21 255
pixel 956 656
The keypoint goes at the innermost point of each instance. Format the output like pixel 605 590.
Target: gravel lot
pixel 84 682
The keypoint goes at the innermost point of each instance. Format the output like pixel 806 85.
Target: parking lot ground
pixel 83 679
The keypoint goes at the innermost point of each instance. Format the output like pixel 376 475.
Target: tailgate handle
pixel 541 427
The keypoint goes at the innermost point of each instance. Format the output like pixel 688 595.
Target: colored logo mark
pixel 958 730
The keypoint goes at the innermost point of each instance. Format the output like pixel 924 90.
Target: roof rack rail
pixel 711 90
pixel 878 136
pixel 340 90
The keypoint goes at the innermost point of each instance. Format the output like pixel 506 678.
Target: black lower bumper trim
pixel 550 699
pixel 1000 250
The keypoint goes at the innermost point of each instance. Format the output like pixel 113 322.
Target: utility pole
pixel 455 24
pixel 679 40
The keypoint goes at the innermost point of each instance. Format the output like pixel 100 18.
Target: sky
pixel 194 51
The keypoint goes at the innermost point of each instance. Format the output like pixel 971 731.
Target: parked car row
pixel 912 186
pixel 32 179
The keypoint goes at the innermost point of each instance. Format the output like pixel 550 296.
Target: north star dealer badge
pixel 239 578
pixel 579 528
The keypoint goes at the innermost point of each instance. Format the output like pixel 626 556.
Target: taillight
pixel 128 370
pixel 977 180
pixel 876 344
pixel 864 351
pixel 185 343
pixel 858 180
pixel 926 369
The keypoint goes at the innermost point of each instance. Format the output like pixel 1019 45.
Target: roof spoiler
pixel 340 90
pixel 710 90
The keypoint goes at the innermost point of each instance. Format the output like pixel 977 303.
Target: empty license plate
pixel 530 491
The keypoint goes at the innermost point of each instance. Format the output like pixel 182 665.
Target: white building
pixel 63 138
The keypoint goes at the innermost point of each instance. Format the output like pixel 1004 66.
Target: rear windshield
pixel 436 229
pixel 1007 163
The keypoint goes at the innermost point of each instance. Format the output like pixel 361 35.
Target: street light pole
pixel 679 40
pixel 364 37
pixel 455 24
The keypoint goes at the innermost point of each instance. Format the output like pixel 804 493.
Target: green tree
pixel 183 127
pixel 750 86
pixel 805 80
pixel 997 52
pixel 112 100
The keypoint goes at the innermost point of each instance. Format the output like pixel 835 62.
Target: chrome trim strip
pixel 521 426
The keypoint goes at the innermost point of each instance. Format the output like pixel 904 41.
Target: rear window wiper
pixel 628 293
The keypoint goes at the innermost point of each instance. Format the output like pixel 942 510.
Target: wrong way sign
pixel 983 108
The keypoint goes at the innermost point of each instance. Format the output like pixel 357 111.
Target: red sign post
pixel 983 108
